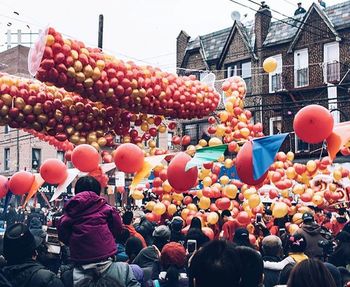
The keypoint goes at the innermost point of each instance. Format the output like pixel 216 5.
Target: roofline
pixel 183 32
pixel 325 19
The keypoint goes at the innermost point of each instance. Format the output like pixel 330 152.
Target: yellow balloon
pixel 215 141
pixel 221 158
pixel 254 200
pixel 204 202
pixel 280 210
pixel 337 174
pixel 297 218
pixel 290 155
pixel 166 186
pixel 191 150
pixel 192 206
pixel 311 165
pixel 199 193
pixel 229 107
pixel 228 163
pixel 293 228
pixel 207 181
pixel 230 191
pixel 224 179
pixel 172 209
pixel 220 130
pixel 317 199
pixel 224 116
pixel 249 192
pixel 285 193
pixel 184 213
pixel 150 205
pixel 245 132
pixel 162 129
pixel 144 126
pixel 203 143
pixel 213 218
pixel 177 196
pixel 290 172
pixel 159 208
pixel 167 197
pixel 270 65
pixel 137 194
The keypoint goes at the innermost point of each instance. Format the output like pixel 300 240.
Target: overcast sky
pixel 134 29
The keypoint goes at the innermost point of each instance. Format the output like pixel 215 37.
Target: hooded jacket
pixel 312 234
pixel 89 227
pixel 31 274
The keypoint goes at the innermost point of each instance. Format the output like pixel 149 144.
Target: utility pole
pixel 100 31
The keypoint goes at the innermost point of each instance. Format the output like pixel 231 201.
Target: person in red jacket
pixel 128 217
pixel 230 225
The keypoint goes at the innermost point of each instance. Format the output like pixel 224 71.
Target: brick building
pixel 312 51
pixel 20 150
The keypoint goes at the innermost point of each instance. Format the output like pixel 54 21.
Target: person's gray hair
pixel 271 245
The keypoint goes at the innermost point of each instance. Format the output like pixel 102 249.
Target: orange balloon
pixel 53 171
pixel 21 182
pixel 85 158
pixel 129 158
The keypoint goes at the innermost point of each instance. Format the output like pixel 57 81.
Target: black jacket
pixel 31 274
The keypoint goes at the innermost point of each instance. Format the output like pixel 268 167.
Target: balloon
pixel 21 182
pixel 178 178
pixel 270 65
pixel 230 191
pixel 223 203
pixel 243 218
pixel 313 124
pixel 293 228
pixel 207 181
pixel 297 218
pixel 311 166
pixel 244 165
pixel 213 218
pixel 129 158
pixel 159 208
pixel 280 210
pixel 215 141
pixel 204 203
pixel 290 155
pixel 152 217
pixel 172 209
pixel 53 171
pixel 208 232
pixel 150 205
pixel 254 200
pixel 184 213
pixel 224 179
pixel 3 186
pixel 85 158
pixel 137 194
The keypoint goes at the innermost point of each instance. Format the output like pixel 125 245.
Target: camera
pixel 327 246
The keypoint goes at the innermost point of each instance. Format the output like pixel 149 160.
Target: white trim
pixel 301 61
pixel 296 148
pixel 271 122
pixel 329 58
pixel 277 71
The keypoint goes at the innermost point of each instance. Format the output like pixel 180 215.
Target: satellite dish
pixel 235 16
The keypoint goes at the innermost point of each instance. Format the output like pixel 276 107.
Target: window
pixel 36 158
pixel 202 75
pixel 169 140
pixel 232 70
pixel 301 68
pixel 247 75
pixel 275 78
pixel 7 159
pixel 60 155
pixel 7 129
pixel 196 132
pixel 301 146
pixel 331 69
pixel 275 125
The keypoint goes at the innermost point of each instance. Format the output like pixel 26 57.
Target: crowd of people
pixel 91 243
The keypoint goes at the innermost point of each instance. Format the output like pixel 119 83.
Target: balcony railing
pixel 302 77
pixel 276 82
pixel 332 73
pixel 248 82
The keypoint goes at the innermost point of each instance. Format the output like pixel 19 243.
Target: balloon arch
pixel 83 98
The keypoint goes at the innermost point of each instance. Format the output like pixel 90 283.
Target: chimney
pixel 262 24
pixel 181 45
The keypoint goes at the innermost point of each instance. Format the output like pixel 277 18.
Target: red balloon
pixel 243 218
pixel 313 124
pixel 244 165
pixel 85 158
pixel 208 232
pixel 152 217
pixel 53 171
pixel 3 186
pixel 178 178
pixel 129 158
pixel 223 203
pixel 21 182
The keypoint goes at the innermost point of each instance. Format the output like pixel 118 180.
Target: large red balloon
pixel 244 165
pixel 178 178
pixel 53 171
pixel 313 124
pixel 21 182
pixel 3 186
pixel 129 158
pixel 223 203
pixel 85 158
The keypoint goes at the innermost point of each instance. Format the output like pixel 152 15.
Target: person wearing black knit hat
pixel 22 269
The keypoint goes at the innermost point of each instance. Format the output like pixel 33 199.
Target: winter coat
pixel 134 233
pixel 121 256
pixel 31 274
pixel 271 277
pixel 145 228
pixel 312 234
pixel 89 227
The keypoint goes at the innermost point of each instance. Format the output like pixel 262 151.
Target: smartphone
pixel 282 231
pixel 258 217
pixel 191 245
pixel 53 244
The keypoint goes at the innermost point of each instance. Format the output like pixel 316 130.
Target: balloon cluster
pixel 101 77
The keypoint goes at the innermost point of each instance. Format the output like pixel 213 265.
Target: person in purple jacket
pixel 89 225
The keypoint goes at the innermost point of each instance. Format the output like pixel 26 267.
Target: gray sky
pixel 134 29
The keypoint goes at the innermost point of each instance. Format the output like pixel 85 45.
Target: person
pixel 176 226
pixel 339 222
pixel 36 228
pixel 285 274
pixel 36 212
pixel 145 228
pixel 170 271
pixel 11 216
pixel 241 237
pixel 195 233
pixel 121 241
pixel 148 255
pixel 89 225
pixel 128 217
pixel 341 254
pixel 322 4
pixel 230 225
pixel 133 246
pixel 310 273
pixel 252 274
pixel 272 251
pixel 22 268
pixel 335 274
pixel 312 233
pixel 300 10
pixel 216 264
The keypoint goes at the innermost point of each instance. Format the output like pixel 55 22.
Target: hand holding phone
pixel 191 246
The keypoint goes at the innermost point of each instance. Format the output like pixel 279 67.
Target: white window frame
pixel 278 70
pixel 232 70
pixel 300 63
pixel 272 121
pixel 60 155
pixel 327 59
pixel 7 160
pixel 296 148
pixel 7 129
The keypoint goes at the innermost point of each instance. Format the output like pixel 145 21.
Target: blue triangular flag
pixel 264 152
